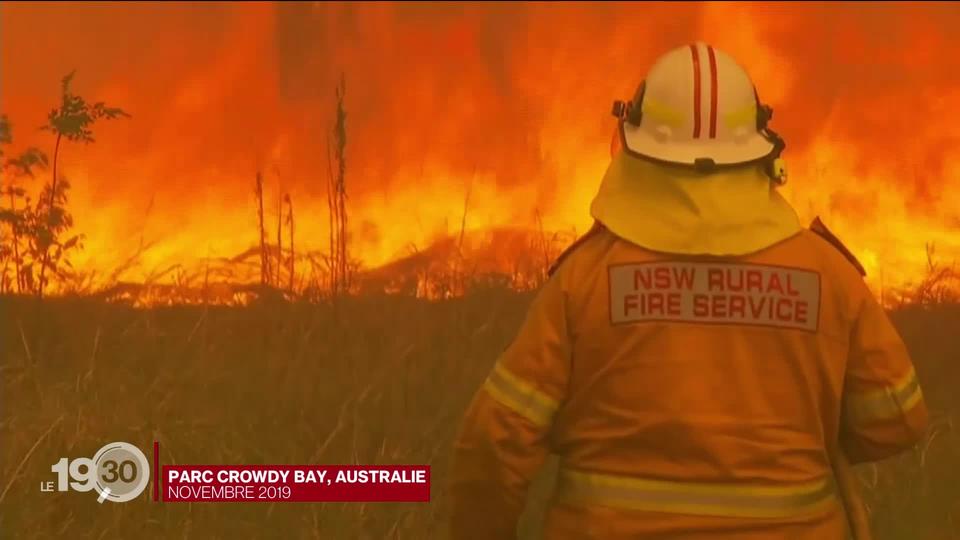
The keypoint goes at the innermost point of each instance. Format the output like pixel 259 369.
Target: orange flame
pixel 500 109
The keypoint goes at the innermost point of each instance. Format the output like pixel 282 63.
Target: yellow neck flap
pixel 676 210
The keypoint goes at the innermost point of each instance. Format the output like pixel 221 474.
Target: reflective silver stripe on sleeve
pixel 886 403
pixel 520 396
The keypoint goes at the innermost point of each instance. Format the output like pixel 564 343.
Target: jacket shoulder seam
pixel 820 229
pixel 594 230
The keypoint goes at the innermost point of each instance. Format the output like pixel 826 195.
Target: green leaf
pixel 75 117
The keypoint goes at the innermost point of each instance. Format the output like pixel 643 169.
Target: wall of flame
pixel 509 102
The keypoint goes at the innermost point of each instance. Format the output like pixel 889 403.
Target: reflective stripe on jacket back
pixel 724 500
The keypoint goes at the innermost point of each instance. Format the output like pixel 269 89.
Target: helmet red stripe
pixel 696 91
pixel 713 92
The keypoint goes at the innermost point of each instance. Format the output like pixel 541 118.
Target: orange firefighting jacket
pixel 687 397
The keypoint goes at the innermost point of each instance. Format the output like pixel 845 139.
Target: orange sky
pixel 509 99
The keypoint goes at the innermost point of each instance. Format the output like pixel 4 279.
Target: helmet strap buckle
pixel 621 109
pixel 705 165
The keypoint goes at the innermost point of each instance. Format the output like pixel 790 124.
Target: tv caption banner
pixel 296 483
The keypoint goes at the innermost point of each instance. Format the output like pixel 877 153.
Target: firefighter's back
pixel 704 392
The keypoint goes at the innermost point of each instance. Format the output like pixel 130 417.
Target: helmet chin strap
pixel 775 166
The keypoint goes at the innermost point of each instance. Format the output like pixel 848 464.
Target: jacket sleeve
pixel 503 440
pixel 883 408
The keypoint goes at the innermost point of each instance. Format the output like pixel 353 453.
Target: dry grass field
pixel 386 381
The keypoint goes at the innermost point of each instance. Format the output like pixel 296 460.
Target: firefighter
pixel 700 362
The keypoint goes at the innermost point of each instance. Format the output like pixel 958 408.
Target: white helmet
pixel 698 107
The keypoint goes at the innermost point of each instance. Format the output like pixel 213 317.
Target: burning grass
pixel 385 381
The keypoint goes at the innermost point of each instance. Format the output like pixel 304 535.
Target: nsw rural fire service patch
pixel 715 293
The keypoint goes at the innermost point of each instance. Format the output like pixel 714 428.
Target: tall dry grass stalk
pixel 278 279
pixel 264 259
pixel 293 253
pixel 339 261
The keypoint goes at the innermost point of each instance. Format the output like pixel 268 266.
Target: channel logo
pixel 118 472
